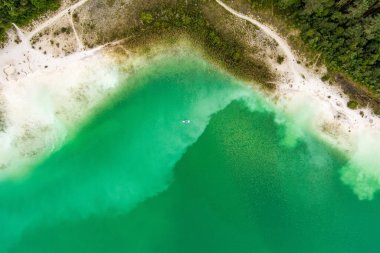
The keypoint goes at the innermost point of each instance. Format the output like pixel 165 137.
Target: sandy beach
pixel 44 97
pixel 45 94
pixel 322 108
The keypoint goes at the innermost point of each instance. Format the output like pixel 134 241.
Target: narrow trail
pixel 20 33
pixel 79 41
pixel 59 15
pixel 19 59
pixel 321 109
pixel 290 58
pixel 36 85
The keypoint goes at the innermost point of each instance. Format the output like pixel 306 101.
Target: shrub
pixel 352 104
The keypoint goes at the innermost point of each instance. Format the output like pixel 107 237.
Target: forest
pixel 346 32
pixel 22 11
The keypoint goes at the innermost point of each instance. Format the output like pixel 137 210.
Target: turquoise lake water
pixel 138 179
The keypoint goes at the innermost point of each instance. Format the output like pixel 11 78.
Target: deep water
pixel 138 179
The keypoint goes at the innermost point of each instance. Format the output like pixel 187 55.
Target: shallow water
pixel 137 179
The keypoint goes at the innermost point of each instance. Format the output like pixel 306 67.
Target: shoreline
pixel 321 108
pixel 361 96
pixel 309 104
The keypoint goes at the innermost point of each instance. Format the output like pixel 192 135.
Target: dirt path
pixel 79 41
pixel 320 108
pixel 290 58
pixel 53 19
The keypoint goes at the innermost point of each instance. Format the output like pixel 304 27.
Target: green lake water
pixel 137 179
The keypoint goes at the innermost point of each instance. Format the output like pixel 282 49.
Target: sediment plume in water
pixel 359 144
pixel 127 153
pixel 40 112
pixel 362 171
pixel 138 170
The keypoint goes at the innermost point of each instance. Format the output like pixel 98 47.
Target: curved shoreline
pixel 312 104
pixel 347 130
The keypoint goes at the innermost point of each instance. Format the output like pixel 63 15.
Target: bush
pixel 352 104
pixel 280 59
pixel 146 18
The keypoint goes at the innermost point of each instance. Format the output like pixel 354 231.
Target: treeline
pixel 346 32
pixel 22 11
pixel 187 18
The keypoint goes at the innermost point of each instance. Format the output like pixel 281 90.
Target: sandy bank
pixel 44 97
pixel 47 91
pixel 311 104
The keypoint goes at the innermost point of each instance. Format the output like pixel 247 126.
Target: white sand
pixel 44 98
pixel 313 105
pixel 43 107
